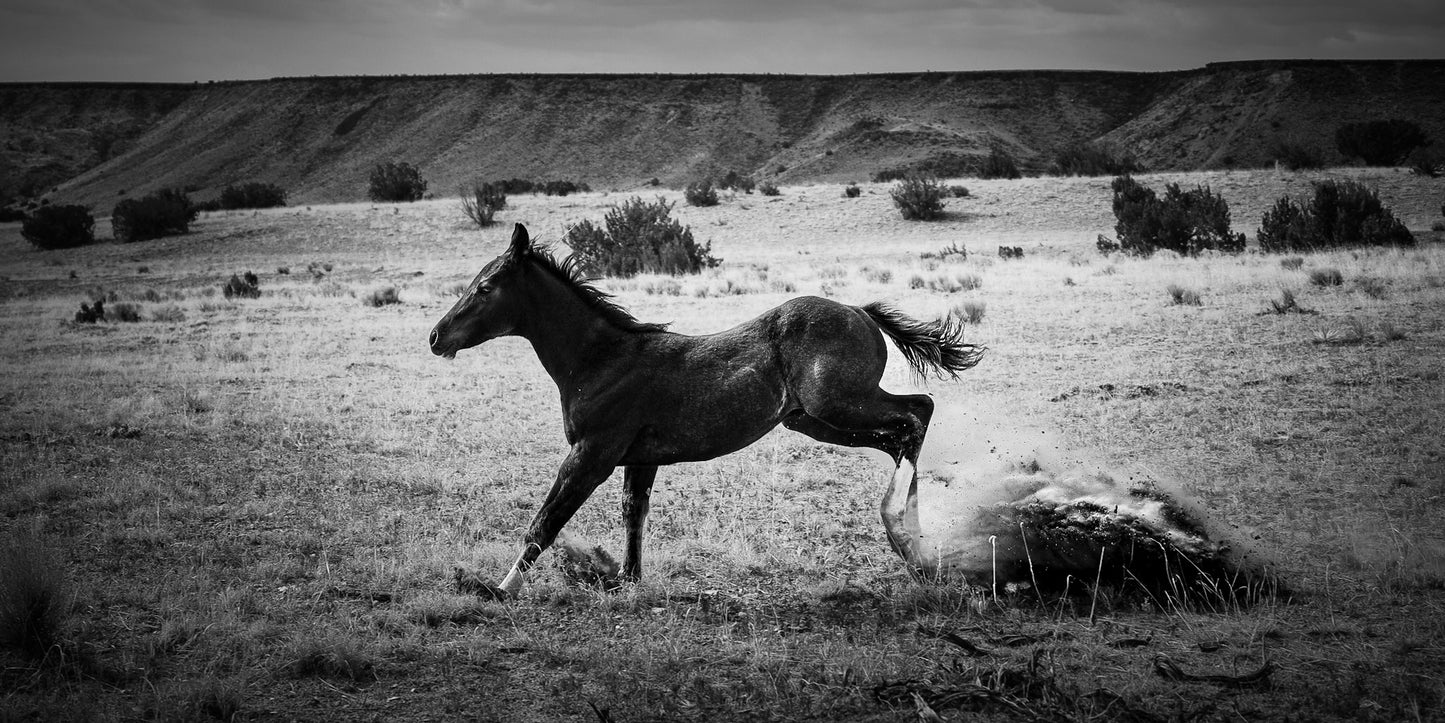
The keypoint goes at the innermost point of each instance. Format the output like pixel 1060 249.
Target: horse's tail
pixel 935 346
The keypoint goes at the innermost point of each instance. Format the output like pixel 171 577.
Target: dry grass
pixel 266 498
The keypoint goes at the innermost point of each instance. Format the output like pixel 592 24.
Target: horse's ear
pixel 521 242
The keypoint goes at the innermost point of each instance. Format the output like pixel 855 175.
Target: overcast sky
pixel 160 40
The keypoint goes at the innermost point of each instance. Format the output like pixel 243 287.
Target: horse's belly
pixel 692 443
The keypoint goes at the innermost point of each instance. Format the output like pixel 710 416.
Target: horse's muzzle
pixel 434 341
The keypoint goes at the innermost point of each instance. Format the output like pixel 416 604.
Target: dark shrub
pixel 122 312
pixel 164 213
pixel 1426 161
pixel 1294 155
pixel 999 164
pixel 396 182
pixel 918 198
pixel 252 195
pixel 768 189
pixel 700 193
pixel 1010 252
pixel 1085 159
pixel 90 314
pixel 1341 213
pixel 382 297
pixel 852 192
pixel 958 191
pixel 481 203
pixel 563 188
pixel 59 227
pixel 1185 222
pixel 10 214
pixel 737 182
pixel 1379 142
pixel 246 286
pixel 638 237
pixel 33 597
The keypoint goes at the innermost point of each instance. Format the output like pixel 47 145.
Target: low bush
pixel 1186 222
pixel 392 182
pixel 768 189
pixel 1293 263
pixel 1340 214
pixel 1182 296
pixel 852 191
pixel 167 212
pixel 998 164
pixel 252 195
pixel 382 297
pixel 1379 142
pixel 638 237
pixel 89 314
pixel 969 312
pixel 1295 155
pixel 735 181
pixel 247 286
pixel 122 312
pixel 1086 159
pixel 700 193
pixel 1426 161
pixel 958 191
pixel 918 198
pixel 59 227
pixel 1326 277
pixel 1010 252
pixel 482 202
pixel 555 187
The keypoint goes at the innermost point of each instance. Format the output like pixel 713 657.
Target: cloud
pixel 219 39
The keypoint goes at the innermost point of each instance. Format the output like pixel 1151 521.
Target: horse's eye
pixel 484 289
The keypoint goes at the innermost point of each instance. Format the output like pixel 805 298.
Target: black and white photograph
pixel 628 361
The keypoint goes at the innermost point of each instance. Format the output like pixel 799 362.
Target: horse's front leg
pixel 636 500
pixel 586 467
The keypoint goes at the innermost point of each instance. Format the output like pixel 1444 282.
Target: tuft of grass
pixel 665 286
pixel 1292 263
pixel 210 699
pixel 969 312
pixel 1181 296
pixel 1372 286
pixel 1326 277
pixel 333 657
pixel 1286 304
pixel 122 311
pixel 1349 332
pixel 382 297
pixel 877 276
pixel 32 597
pixel 171 314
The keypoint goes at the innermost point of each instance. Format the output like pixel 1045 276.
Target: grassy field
pixel 252 508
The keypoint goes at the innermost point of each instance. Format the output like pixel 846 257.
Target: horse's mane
pixel 570 273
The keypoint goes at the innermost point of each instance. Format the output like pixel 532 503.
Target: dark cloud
pixel 217 39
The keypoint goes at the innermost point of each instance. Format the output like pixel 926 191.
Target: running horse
pixel 637 396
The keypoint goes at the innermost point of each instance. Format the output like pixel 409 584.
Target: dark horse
pixel 638 396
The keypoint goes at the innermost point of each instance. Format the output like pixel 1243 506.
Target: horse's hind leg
pixel 636 500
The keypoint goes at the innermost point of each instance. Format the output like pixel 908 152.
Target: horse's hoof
pixel 469 582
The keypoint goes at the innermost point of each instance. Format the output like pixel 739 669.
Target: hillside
pixel 318 137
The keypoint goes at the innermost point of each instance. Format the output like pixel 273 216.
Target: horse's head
pixel 487 308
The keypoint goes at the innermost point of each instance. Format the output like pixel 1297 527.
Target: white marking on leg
pixel 512 583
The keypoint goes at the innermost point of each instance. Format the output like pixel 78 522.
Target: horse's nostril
pixel 432 341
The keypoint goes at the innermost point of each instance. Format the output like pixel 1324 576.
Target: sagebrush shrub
pixel 918 198
pixel 638 237
pixel 1295 155
pixel 1186 222
pixel 1426 161
pixel 700 193
pixel 852 191
pixel 59 227
pixel 1085 159
pixel 382 297
pixel 1379 142
pixel 252 195
pixel 1340 214
pixel 482 202
pixel 737 182
pixel 1182 296
pixel 1326 277
pixel 998 164
pixel 768 189
pixel 247 286
pixel 166 212
pixel 392 182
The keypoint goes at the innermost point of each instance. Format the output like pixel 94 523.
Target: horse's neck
pixel 564 330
